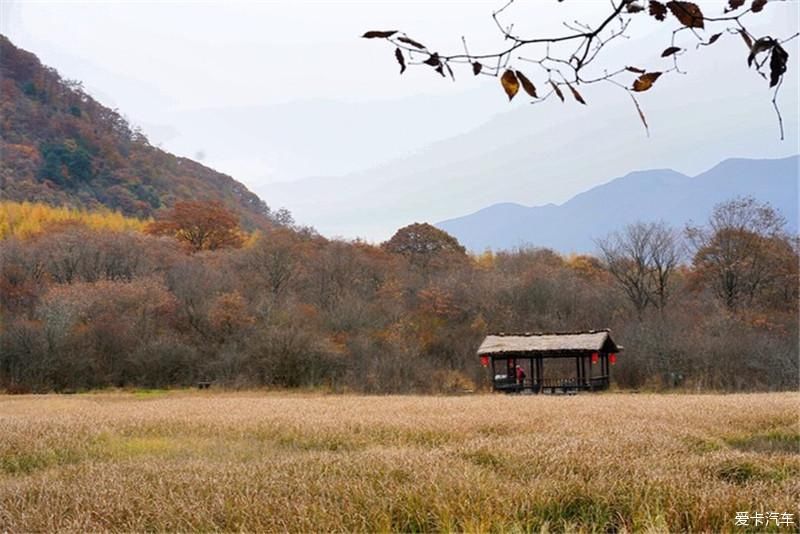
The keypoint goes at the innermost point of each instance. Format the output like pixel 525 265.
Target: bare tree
pixel 562 61
pixel 642 259
pixel 734 252
pixel 665 255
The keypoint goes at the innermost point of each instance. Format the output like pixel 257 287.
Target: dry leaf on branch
pixel 645 81
pixel 658 10
pixel 777 64
pixel 757 5
pixel 376 34
pixel 510 84
pixel 557 90
pixel 576 94
pixel 412 42
pixel 398 54
pixel 527 84
pixel 687 13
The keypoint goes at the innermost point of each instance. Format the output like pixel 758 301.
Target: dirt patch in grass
pixel 27 462
pixel 704 445
pixel 484 458
pixel 775 441
pixel 745 471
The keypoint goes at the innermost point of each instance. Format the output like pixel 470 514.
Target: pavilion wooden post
pixel 583 370
pixel 589 378
pixel 540 372
pixel 540 369
pixel 533 373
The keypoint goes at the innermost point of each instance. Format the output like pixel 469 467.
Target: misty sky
pixel 276 92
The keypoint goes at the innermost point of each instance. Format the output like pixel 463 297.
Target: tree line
pixel 193 298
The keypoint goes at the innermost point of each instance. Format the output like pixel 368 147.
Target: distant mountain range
pixel 533 155
pixel 652 195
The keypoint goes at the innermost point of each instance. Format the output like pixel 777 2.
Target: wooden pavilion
pixel 517 361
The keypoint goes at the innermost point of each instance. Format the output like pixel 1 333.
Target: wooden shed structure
pixel 517 361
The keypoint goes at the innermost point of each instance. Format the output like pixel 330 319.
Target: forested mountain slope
pixel 59 145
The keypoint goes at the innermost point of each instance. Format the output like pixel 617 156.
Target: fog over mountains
pixel 322 123
pixel 652 195
pixel 533 154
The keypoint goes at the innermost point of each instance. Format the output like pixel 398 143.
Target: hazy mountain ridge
pixel 60 146
pixel 660 194
pixel 528 155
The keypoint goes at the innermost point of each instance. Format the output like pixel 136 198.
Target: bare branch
pixel 563 68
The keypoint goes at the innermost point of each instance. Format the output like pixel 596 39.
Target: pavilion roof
pixel 552 342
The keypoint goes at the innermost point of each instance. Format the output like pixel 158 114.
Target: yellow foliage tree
pixel 25 219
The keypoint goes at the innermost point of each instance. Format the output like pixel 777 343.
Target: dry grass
pixel 277 462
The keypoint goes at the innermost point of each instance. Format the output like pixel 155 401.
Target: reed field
pixel 253 461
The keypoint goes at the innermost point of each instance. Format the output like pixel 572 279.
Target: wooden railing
pixel 553 384
pixel 559 382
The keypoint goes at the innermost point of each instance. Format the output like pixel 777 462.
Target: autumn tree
pixel 228 314
pixel 642 258
pixel 423 244
pixel 735 253
pixel 273 260
pixel 200 225
pixel 571 59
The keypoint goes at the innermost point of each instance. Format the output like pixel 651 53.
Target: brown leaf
pixel 510 83
pixel 377 34
pixel 734 4
pixel 476 68
pixel 633 7
pixel 761 45
pixel 757 5
pixel 557 90
pixel 687 13
pixel 637 70
pixel 645 81
pixel 410 41
pixel 712 40
pixel 576 94
pixel 433 60
pixel 400 59
pixel 669 51
pixel 527 84
pixel 777 64
pixel 658 10
pixel 747 40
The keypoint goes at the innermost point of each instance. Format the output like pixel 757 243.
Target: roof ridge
pixel 561 333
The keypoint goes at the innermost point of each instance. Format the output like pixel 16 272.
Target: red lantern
pixel 485 361
pixel 612 358
pixel 595 357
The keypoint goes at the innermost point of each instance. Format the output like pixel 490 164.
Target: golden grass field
pixel 310 462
